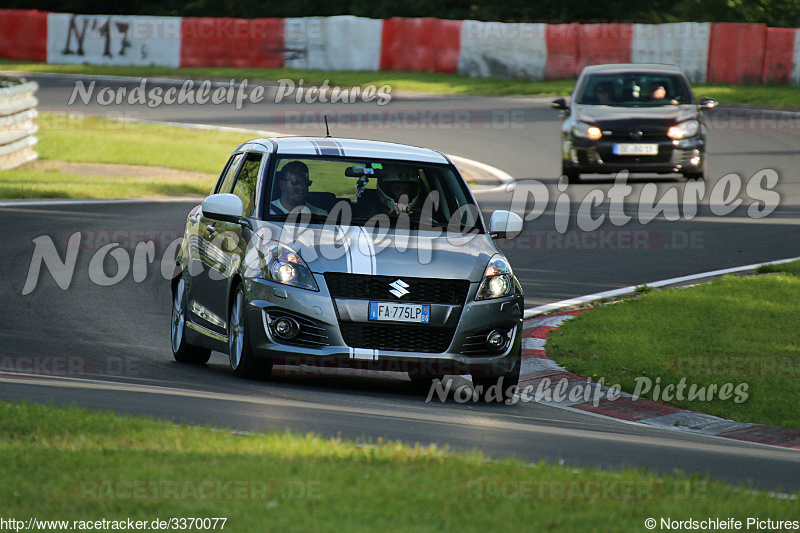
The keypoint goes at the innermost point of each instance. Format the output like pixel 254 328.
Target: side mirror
pixel 707 103
pixel 559 103
pixel 505 224
pixel 224 206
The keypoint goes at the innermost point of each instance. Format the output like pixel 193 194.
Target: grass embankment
pixel 759 95
pixel 70 464
pixel 100 140
pixel 738 330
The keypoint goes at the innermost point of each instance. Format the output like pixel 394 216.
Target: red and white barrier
pixel 708 52
pixel 779 56
pixel 795 79
pixel 684 44
pixel 424 44
pixel 333 43
pixel 736 53
pixel 230 42
pixel 570 47
pixel 113 40
pixel 502 50
pixel 604 43
pixel 23 34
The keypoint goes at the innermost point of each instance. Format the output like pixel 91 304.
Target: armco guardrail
pixel 17 122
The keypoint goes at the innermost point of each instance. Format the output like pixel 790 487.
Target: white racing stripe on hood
pixel 360 253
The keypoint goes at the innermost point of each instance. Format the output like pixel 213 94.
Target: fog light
pixel 695 161
pixel 497 340
pixel 285 327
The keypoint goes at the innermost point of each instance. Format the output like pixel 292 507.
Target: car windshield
pixel 362 192
pixel 632 89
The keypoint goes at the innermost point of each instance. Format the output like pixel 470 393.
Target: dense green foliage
pixel 779 13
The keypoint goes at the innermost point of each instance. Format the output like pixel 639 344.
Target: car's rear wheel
pixel 182 351
pixel 243 363
pixel 507 383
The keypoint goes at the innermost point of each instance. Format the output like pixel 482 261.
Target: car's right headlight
pixel 498 279
pixel 586 131
pixel 283 265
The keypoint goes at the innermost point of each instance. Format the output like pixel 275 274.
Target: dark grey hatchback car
pixel 347 253
pixel 641 118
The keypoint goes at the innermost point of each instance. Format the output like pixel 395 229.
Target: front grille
pixel 399 338
pixel 663 156
pixel 424 290
pixel 310 335
pixel 647 136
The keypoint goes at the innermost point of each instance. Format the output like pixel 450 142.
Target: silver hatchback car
pixel 347 253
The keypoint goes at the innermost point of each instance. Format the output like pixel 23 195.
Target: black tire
pixel 572 175
pixel 695 175
pixel 699 175
pixel 182 351
pixel 240 354
pixel 423 382
pixel 508 387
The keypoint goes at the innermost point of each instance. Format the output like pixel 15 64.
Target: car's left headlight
pixel 683 130
pixel 284 265
pixel 498 279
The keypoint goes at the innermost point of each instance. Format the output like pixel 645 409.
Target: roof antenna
pixel 327 131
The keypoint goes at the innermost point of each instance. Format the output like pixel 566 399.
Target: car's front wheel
pixel 700 174
pixel 182 351
pixel 572 175
pixel 243 363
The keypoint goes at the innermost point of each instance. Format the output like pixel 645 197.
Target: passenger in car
pixel 294 183
pixel 399 191
pixel 658 93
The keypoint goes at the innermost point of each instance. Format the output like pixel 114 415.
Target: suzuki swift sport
pixel 347 253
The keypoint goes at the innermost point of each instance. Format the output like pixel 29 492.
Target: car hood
pixel 416 253
pixel 610 115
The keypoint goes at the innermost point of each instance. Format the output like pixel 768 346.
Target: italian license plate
pixel 399 312
pixel 635 149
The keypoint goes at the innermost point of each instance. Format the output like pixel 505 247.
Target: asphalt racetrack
pixel 108 347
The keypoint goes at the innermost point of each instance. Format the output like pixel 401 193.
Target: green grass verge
pixel 100 140
pixel 22 183
pixel 71 464
pixel 760 95
pixel 737 330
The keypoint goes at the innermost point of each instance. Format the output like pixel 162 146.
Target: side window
pixel 245 187
pixel 226 181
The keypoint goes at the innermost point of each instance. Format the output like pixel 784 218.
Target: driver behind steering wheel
pixel 399 190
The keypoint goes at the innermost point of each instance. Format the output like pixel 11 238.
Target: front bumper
pixel 583 155
pixel 455 335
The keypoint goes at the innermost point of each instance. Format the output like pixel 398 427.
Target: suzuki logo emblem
pixel 399 288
